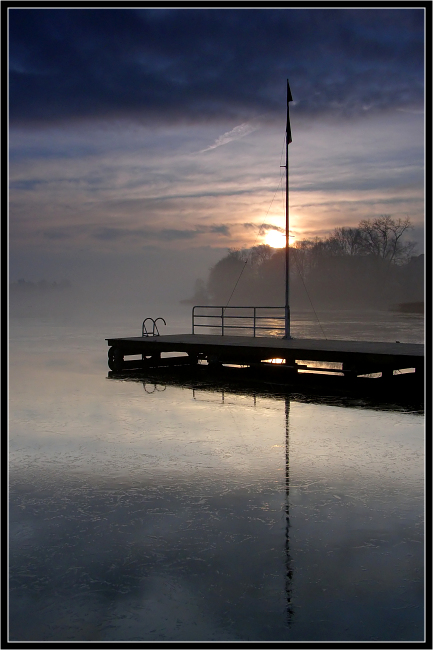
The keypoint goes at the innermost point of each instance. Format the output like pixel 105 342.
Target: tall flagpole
pixel 288 141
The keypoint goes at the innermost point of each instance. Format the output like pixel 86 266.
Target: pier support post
pixel 115 359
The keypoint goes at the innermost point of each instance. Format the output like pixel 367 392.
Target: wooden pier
pixel 349 359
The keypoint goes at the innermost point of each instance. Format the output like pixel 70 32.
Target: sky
pixel 145 143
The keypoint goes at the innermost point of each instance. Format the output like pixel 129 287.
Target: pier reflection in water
pixel 202 513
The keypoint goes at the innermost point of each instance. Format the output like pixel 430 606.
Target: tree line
pixel 372 265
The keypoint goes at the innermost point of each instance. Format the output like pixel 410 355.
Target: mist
pixel 114 290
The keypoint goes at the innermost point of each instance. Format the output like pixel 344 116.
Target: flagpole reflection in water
pixel 288 570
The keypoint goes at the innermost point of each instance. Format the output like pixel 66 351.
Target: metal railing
pixel 254 319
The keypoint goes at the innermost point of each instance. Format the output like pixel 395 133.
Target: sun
pixel 277 239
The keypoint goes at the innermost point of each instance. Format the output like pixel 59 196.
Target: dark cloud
pixel 57 233
pixel 112 234
pixel 25 185
pixel 221 230
pixel 175 234
pixel 262 228
pixel 172 234
pixel 107 233
pixel 202 64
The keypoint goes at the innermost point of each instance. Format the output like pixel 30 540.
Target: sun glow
pixel 277 239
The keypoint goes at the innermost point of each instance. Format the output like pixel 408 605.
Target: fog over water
pixel 136 284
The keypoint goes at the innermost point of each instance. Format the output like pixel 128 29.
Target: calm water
pixel 143 511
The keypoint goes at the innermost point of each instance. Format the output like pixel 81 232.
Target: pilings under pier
pixel 350 359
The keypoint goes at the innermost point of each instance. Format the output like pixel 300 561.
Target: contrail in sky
pixel 235 134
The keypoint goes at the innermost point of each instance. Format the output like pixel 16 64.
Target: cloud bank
pixel 212 64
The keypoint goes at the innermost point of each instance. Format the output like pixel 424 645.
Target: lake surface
pixel 143 511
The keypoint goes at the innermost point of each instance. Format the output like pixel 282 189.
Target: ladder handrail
pixel 155 330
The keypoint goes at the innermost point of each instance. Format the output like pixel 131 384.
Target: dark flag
pixel 289 99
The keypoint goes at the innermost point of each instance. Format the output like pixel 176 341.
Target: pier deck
pixel 355 357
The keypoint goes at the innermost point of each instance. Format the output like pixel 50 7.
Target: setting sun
pixel 277 239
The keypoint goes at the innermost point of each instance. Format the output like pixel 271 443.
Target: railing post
pixel 254 323
pixel 222 321
pixel 193 319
